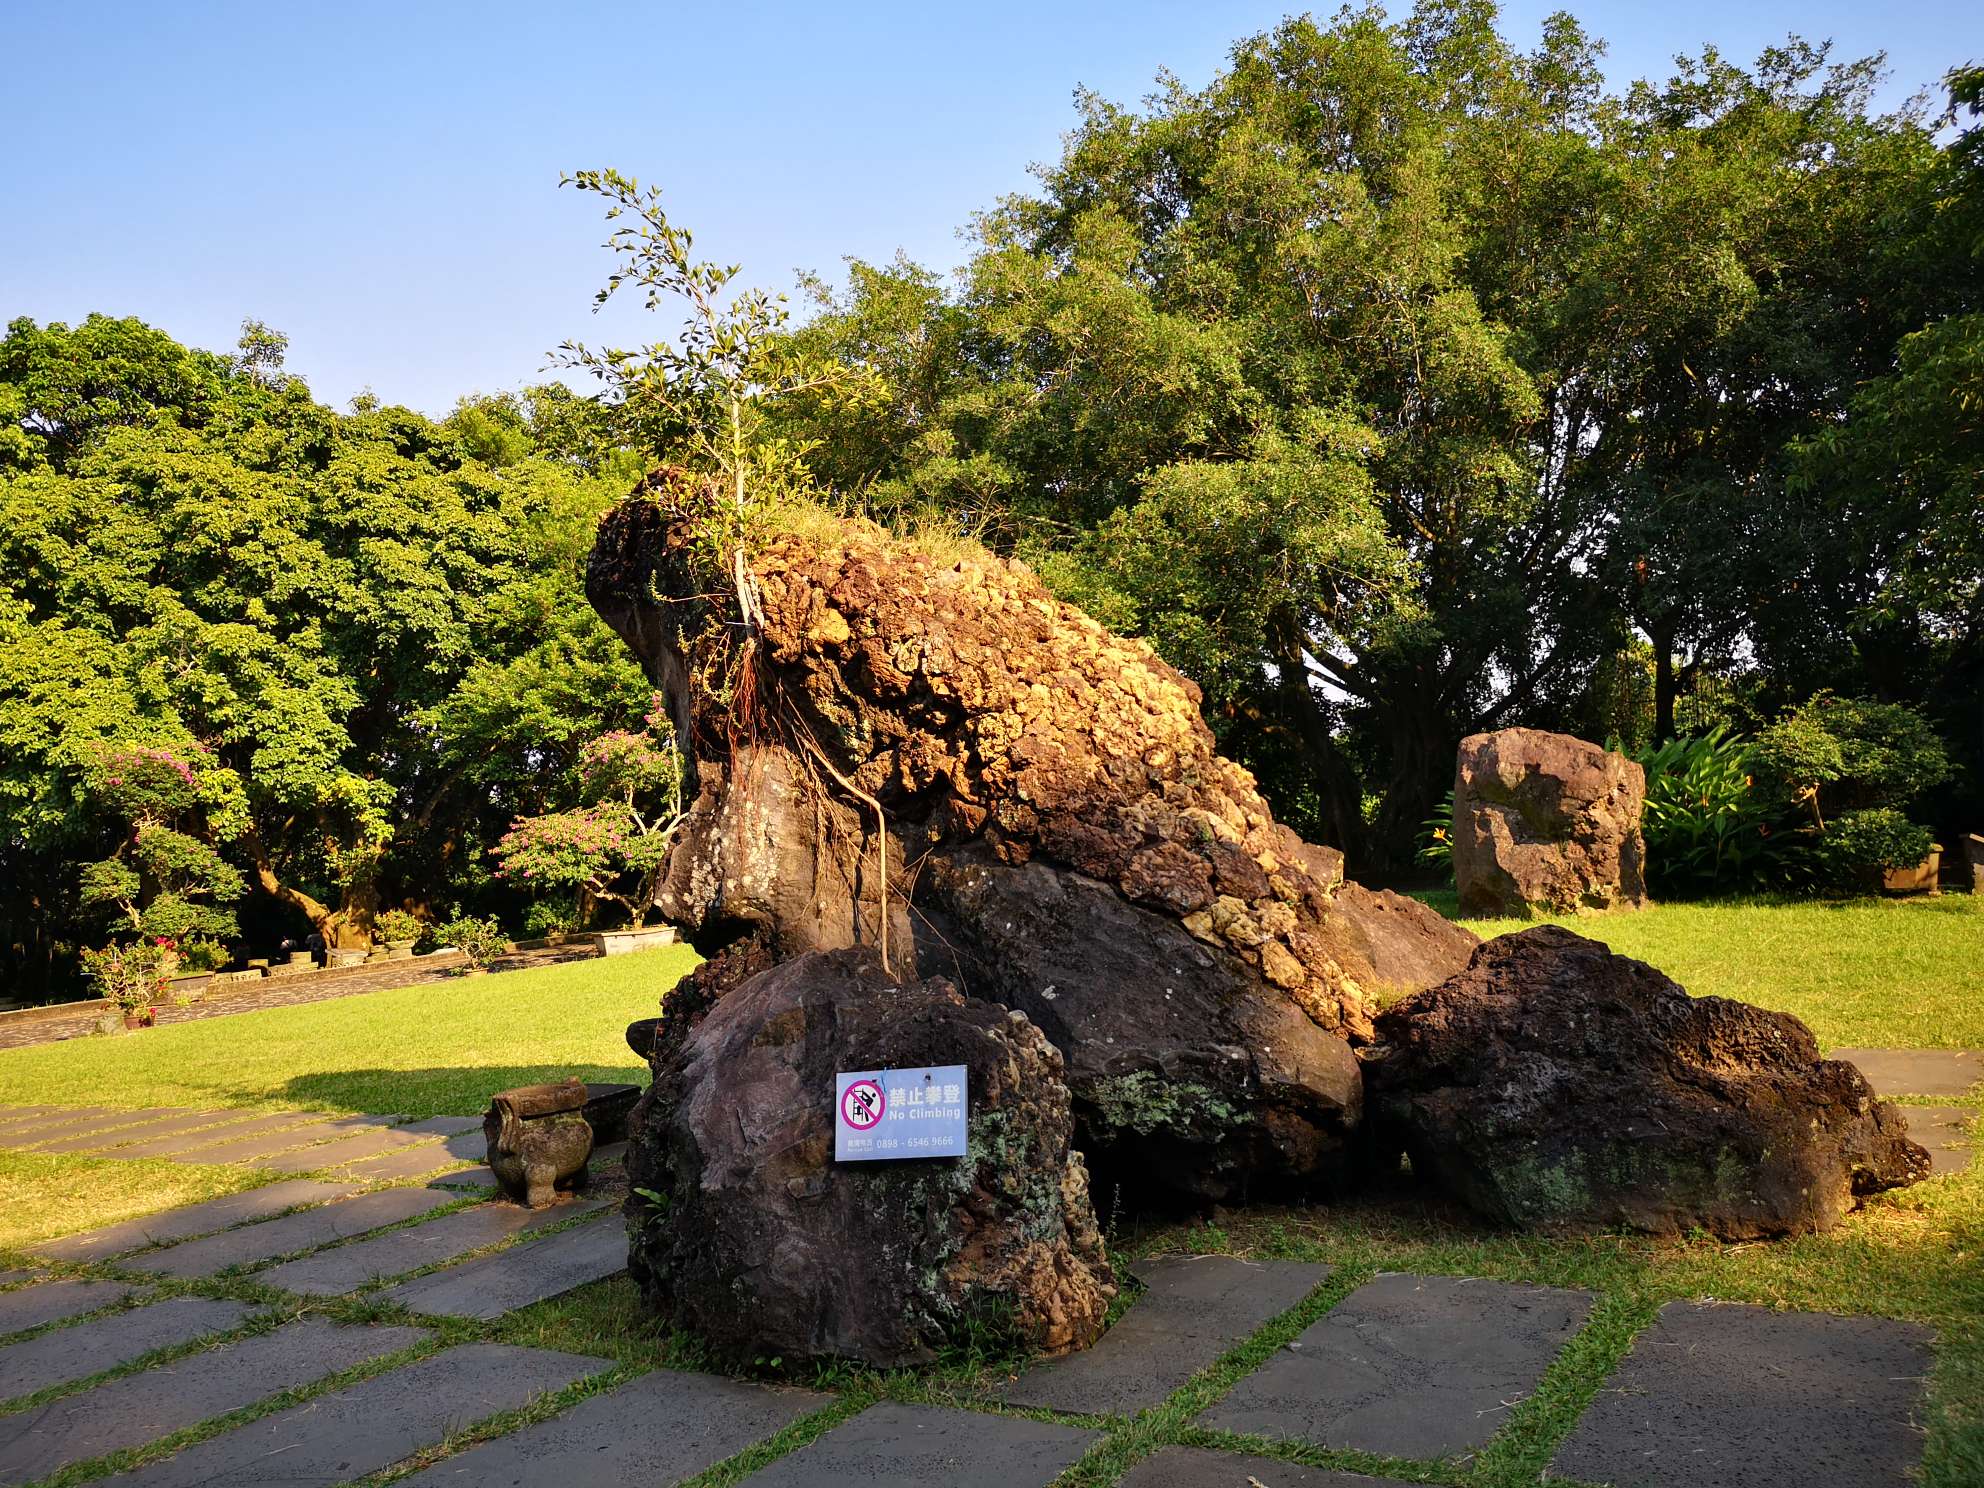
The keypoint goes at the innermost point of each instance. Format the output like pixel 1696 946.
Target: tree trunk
pixel 1662 636
pixel 340 926
pixel 1341 791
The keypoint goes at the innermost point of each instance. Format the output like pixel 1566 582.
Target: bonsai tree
pixel 166 880
pixel 615 844
pixel 1852 767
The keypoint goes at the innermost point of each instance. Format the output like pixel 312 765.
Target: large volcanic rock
pixel 768 1248
pixel 889 736
pixel 1545 821
pixel 1555 1085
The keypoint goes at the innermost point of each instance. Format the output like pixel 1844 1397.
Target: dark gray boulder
pixel 1188 1077
pixel 1554 1085
pixel 764 1247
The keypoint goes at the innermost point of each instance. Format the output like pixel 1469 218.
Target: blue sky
pixel 379 180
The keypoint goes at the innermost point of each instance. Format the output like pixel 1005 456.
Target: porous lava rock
pixel 1546 821
pixel 879 734
pixel 765 1247
pixel 1553 1085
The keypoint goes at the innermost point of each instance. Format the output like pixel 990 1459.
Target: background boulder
pixel 1555 1085
pixel 1545 821
pixel 765 1247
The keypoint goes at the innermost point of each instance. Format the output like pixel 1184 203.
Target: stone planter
pixel 399 950
pixel 142 1018
pixel 539 1140
pixel 111 1023
pixel 302 958
pixel 344 956
pixel 620 942
pixel 189 984
pixel 1973 850
pixel 1920 879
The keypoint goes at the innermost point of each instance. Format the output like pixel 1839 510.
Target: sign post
pixel 881 1115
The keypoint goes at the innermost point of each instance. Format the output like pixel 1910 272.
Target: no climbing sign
pixel 883 1114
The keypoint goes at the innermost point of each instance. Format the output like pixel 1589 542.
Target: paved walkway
pixel 281 988
pixel 189 1324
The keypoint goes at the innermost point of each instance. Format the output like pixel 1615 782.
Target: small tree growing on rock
pixel 615 844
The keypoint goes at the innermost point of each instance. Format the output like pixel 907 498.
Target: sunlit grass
pixel 437 1049
pixel 43 1195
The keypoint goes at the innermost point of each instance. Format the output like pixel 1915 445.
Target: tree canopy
pixel 365 631
pixel 1400 384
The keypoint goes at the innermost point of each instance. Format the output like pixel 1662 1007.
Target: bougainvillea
pixel 615 845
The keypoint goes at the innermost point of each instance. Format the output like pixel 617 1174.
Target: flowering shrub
pixel 133 976
pixel 615 846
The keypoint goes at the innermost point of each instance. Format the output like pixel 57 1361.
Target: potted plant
pixel 480 940
pixel 399 930
pixel 130 978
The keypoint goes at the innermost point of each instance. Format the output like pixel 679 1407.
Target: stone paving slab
pixel 415 1161
pixel 1196 1308
pixel 333 1272
pixel 178 1144
pixel 195 1219
pixel 653 1431
pixel 1200 1467
pixel 920 1446
pixel 211 1126
pixel 51 1301
pixel 302 1231
pixel 1945 1131
pixel 57 1129
pixel 493 1285
pixel 444 1126
pixel 143 1407
pixel 90 1348
pixel 14 1124
pixel 466 1178
pixel 1917 1071
pixel 373 1424
pixel 250 1149
pixel 1407 1366
pixel 336 1154
pixel 1716 1395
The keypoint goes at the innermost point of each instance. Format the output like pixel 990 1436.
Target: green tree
pixel 378 633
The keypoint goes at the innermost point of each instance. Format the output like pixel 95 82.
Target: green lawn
pixel 1904 973
pixel 432 1050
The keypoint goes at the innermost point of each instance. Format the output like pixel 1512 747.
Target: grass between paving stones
pixel 1890 973
pixel 45 1195
pixel 437 1049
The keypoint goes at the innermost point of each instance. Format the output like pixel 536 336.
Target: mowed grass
pixel 440 1049
pixel 1884 973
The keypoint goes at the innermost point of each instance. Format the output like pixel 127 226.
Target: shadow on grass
pixel 457 1091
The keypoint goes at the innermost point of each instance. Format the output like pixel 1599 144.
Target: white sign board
pixel 883 1114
